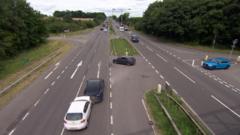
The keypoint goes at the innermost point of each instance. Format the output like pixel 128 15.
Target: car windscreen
pixel 73 116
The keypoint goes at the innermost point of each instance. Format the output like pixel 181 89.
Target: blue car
pixel 217 63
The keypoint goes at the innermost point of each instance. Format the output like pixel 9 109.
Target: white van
pixel 121 28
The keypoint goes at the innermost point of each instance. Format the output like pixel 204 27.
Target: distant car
pixel 125 60
pixel 95 89
pixel 78 113
pixel 134 38
pixel 105 29
pixel 101 28
pixel 125 28
pixel 217 63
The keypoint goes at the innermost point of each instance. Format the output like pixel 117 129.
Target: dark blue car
pixel 217 63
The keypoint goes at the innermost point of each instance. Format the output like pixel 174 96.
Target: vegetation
pixel 183 122
pixel 206 22
pixel 121 47
pixel 21 28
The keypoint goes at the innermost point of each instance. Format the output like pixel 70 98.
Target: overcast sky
pixel 134 7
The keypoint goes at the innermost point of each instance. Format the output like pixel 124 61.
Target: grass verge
pixel 161 121
pixel 120 47
pixel 25 62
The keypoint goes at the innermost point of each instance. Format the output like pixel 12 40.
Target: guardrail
pixel 27 74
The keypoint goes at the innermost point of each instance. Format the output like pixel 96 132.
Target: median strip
pixel 121 47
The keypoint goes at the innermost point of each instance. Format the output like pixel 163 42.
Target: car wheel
pixel 227 67
pixel 213 67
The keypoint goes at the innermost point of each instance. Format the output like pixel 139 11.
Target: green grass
pixel 112 32
pixel 120 46
pixel 183 122
pixel 160 119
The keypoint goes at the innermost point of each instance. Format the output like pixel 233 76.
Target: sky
pixel 116 7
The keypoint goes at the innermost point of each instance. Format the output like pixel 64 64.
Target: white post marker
pixel 78 65
pixel 193 63
pixel 201 63
pixel 99 68
pixel 159 88
pixel 126 52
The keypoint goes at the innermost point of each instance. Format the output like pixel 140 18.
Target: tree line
pixel 206 22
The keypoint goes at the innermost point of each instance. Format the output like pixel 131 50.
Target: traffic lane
pixel 12 112
pixel 202 105
pixel 128 86
pixel 69 72
pixel 99 122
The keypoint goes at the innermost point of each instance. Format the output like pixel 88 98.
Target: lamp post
pixel 235 41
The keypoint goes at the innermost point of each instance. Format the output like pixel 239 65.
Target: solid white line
pixel 36 103
pixel 79 89
pixel 48 75
pixel 184 75
pixel 75 71
pixel 111 120
pixel 25 116
pixel 99 68
pixel 12 131
pixel 145 108
pixel 110 105
pixel 225 106
pixel 46 91
pixel 150 49
pixel 58 77
pixel 62 131
pixel 110 94
pixel 162 58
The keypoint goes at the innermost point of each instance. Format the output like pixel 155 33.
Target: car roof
pixel 76 106
pixel 221 59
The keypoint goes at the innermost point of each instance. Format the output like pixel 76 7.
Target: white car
pixel 121 28
pixel 78 113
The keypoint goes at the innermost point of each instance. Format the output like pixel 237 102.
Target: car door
pixel 123 60
pixel 87 109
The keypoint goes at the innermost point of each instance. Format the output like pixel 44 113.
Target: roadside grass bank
pixel 112 32
pixel 172 103
pixel 18 66
pixel 121 47
pixel 73 33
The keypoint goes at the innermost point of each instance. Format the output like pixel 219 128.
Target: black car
pixel 134 38
pixel 95 89
pixel 125 60
pixel 101 28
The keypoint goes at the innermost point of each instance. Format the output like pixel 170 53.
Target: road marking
pixel 157 71
pixel 36 103
pixel 112 133
pixel 46 91
pixel 174 55
pixel 150 49
pixel 110 105
pixel 225 106
pixel 99 68
pixel 161 77
pixel 75 71
pixel 234 90
pixel 58 77
pixel 110 86
pixel 145 108
pixel 110 95
pixel 62 72
pixel 153 67
pixel 184 75
pixel 79 89
pixel 179 58
pixel 227 86
pixel 149 63
pixel 231 85
pixel 48 75
pixel 167 83
pixel 162 58
pixel 146 60
pixel 111 122
pixel 25 116
pixel 62 131
pixel 12 131
pixel 220 82
pixel 53 83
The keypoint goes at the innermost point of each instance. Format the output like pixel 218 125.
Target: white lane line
pixel 184 75
pixel 231 85
pixel 58 77
pixel 53 83
pixel 111 122
pixel 62 132
pixel 145 108
pixel 12 131
pixel 220 82
pixel 110 105
pixel 62 72
pixel 225 106
pixel 46 91
pixel 75 71
pixel 174 55
pixel 227 86
pixel 110 86
pixel 48 75
pixel 161 77
pixel 162 58
pixel 150 49
pixel 25 116
pixel 234 90
pixel 79 89
pixel 36 103
pixel 179 58
pixel 110 94
pixel 99 68
pixel 167 83
pixel 157 71
pixel 153 67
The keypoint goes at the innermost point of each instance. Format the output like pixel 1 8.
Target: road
pixel 215 101
pixel 40 108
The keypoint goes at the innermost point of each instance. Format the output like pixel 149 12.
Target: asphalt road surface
pixel 215 101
